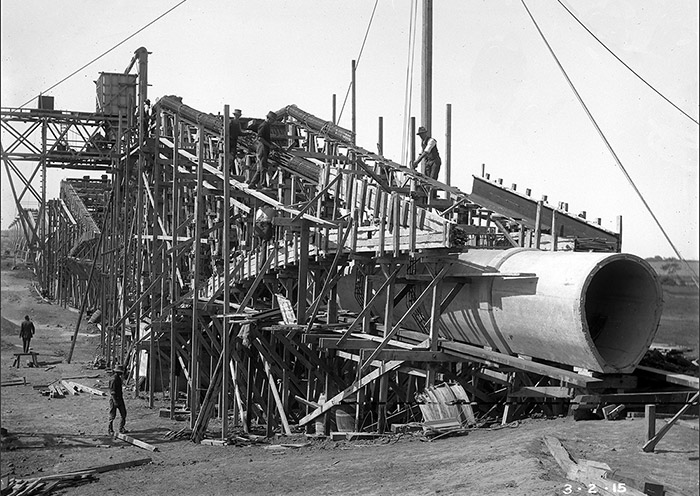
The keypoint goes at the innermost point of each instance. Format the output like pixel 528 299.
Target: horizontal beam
pixel 418 356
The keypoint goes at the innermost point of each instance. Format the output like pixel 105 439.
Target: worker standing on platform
pixel 429 153
pixel 234 131
pixel 26 332
pixel 116 400
pixel 262 151
pixel 263 223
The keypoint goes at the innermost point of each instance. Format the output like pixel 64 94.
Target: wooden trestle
pixel 194 302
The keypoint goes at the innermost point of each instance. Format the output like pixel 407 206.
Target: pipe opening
pixel 622 300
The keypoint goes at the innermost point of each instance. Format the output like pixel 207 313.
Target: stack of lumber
pixel 46 485
pixel 183 433
pixel 50 483
pixel 61 387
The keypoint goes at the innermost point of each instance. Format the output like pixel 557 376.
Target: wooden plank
pixel 69 388
pixel 418 356
pixel 409 312
pixel 348 344
pixel 651 443
pixel 136 442
pixel 278 401
pixel 335 400
pixel 671 377
pixel 86 389
pixel 542 392
pixel 94 470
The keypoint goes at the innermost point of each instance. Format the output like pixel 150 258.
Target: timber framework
pixel 379 291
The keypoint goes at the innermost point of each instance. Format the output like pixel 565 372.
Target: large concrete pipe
pixel 597 311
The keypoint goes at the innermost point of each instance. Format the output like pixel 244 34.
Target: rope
pixel 357 64
pixel 623 63
pixel 610 149
pixel 103 54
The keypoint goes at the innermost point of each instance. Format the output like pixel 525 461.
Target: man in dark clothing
pixel 234 131
pixel 429 153
pixel 116 400
pixel 26 332
pixel 262 151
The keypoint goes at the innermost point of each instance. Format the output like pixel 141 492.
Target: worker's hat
pixel 422 130
pixel 119 369
pixel 271 115
pixel 237 111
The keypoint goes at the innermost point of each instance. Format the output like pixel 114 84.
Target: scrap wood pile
pixel 49 483
pixel 46 485
pixel 60 388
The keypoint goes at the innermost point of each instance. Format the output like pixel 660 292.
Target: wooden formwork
pixel 194 302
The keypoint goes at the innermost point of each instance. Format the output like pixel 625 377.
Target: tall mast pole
pixel 427 67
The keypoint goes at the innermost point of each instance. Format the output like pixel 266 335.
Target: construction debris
pixel 49 483
pixel 136 442
pixel 594 475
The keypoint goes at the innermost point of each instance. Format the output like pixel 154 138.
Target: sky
pixel 512 109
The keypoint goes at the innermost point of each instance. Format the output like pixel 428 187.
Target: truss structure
pixel 196 302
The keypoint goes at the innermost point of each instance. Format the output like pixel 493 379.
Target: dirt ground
pixel 47 436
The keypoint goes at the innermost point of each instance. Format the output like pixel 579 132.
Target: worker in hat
pixel 116 400
pixel 234 131
pixel 429 154
pixel 262 151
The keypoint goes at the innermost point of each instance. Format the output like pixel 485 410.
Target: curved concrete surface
pixel 598 311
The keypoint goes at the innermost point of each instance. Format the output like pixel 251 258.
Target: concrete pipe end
pixel 621 306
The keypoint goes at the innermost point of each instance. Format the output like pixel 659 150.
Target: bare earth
pixel 48 436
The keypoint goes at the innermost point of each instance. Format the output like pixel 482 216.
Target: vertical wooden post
pixel 174 293
pixel 384 380
pixel 335 120
pixel 650 416
pixel 226 342
pixel 380 136
pixel 413 212
pixel 354 103
pixel 619 233
pixel 397 222
pixel 196 246
pixel 303 258
pixel 555 235
pixel 434 331
pixel 448 146
pixel 427 66
pixel 538 222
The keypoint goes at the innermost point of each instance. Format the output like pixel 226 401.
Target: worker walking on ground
pixel 262 151
pixel 116 400
pixel 26 332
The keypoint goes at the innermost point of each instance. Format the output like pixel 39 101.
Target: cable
pixel 105 53
pixel 408 92
pixel 623 63
pixel 607 143
pixel 357 64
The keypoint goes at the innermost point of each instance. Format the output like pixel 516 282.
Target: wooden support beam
pixel 338 398
pixel 651 443
pixel 428 290
pixel 418 356
pixel 368 306
pixel 348 344
pixel 278 401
